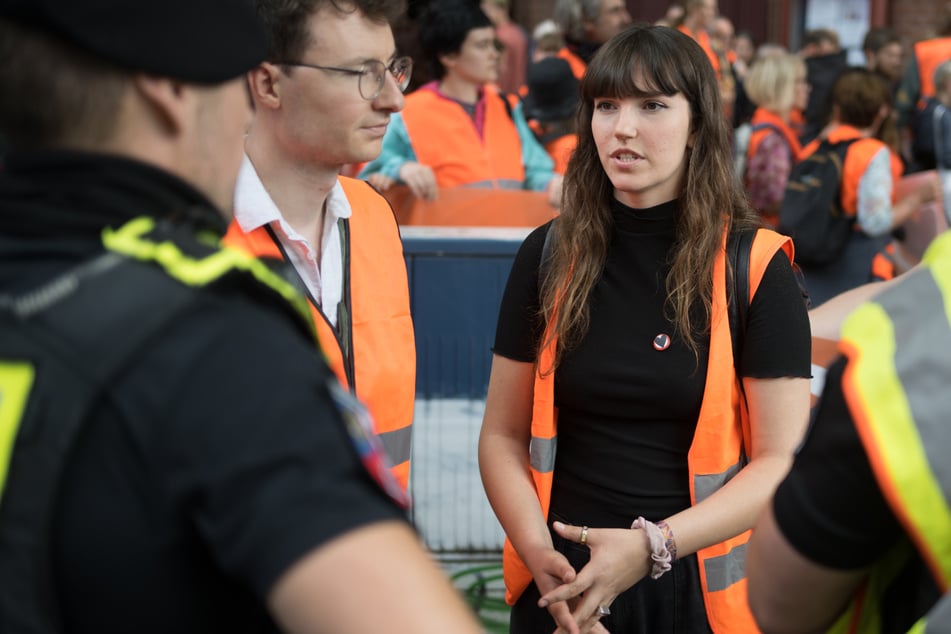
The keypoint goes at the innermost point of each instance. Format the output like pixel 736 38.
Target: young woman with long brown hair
pixel 616 351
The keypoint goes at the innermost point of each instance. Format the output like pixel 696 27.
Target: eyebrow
pixel 364 60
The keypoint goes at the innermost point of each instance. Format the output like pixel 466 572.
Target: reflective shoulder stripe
pixel 542 454
pixel 130 240
pixel 899 378
pixel 16 381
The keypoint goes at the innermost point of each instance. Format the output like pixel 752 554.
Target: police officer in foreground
pixel 173 456
pixel 857 536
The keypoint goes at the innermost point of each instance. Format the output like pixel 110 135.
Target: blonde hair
pixel 771 82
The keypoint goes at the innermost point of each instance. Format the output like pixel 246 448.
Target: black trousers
pixel 672 604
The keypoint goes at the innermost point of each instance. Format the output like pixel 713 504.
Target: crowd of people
pixel 207 353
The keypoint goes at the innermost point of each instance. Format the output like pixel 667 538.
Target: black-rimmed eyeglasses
pixel 372 74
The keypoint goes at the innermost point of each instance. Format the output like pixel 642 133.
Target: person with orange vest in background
pixel 459 131
pixel 696 21
pixel 861 112
pixel 586 25
pixel 316 108
pixel 917 84
pixel 722 38
pixel 777 85
pixel 621 439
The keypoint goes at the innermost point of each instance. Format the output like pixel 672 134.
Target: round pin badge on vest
pixel 661 342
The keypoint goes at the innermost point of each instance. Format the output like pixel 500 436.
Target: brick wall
pixel 915 19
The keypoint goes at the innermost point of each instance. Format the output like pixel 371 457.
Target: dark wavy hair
pixel 645 60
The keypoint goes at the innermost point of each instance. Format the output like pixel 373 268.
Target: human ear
pixel 266 83
pixel 169 99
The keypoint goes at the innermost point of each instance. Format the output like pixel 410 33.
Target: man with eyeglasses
pixel 323 99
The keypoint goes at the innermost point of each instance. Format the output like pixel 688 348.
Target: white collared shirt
pixel 254 208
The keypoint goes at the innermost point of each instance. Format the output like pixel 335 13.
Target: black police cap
pixel 202 41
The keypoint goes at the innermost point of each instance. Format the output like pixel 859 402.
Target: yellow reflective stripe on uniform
pixel 128 240
pixel 900 384
pixel 16 380
pixel 725 570
pixel 706 485
pixel 542 454
pixel 397 444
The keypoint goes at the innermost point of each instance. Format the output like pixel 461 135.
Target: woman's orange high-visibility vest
pixel 719 450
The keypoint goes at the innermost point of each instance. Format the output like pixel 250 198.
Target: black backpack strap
pixel 544 264
pixel 738 248
pixel 62 339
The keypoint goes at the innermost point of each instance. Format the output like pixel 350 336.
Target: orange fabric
pixel 929 55
pixel 884 265
pixel 471 207
pixel 578 66
pixel 760 116
pixel 445 139
pixel 703 40
pixel 797 121
pixel 722 436
pixel 560 151
pixel 383 365
pixel 857 158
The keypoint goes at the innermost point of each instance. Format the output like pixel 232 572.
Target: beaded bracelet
pixel 660 555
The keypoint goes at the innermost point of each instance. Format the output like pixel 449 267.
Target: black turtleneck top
pixel 626 411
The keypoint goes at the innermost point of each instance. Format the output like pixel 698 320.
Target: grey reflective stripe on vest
pixel 939 618
pixel 542 454
pixel 501 183
pixel 920 361
pixel 398 444
pixel 725 570
pixel 706 485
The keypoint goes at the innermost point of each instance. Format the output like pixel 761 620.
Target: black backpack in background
pixel 811 212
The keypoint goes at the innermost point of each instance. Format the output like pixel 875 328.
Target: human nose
pixel 627 123
pixel 391 97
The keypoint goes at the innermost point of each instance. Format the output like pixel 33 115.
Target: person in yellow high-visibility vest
pixel 858 536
